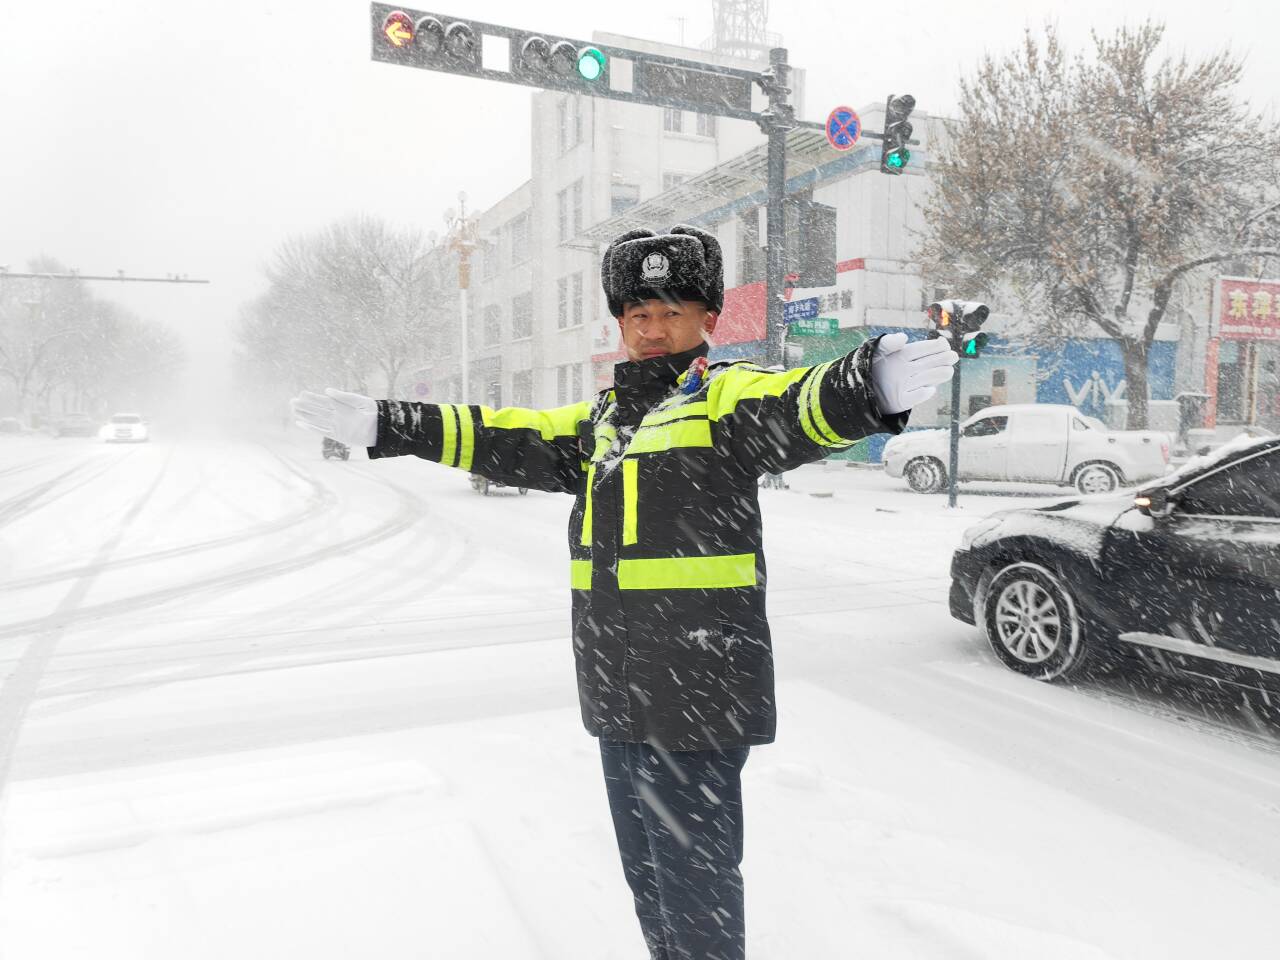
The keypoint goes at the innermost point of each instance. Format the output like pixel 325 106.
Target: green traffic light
pixel 590 63
pixel 899 158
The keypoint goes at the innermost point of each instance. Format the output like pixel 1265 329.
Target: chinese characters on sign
pixel 1249 310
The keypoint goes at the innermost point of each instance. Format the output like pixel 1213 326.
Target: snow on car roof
pixel 1239 442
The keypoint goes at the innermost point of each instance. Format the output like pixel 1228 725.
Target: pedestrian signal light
pixel 973 344
pixel 397 27
pixel 940 313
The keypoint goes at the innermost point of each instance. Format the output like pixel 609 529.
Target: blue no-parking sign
pixel 843 128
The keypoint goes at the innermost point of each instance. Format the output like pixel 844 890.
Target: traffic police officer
pixel 674 664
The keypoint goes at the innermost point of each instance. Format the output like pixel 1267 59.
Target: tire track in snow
pixel 225 582
pixel 90 686
pixel 49 491
pixel 19 688
pixel 320 500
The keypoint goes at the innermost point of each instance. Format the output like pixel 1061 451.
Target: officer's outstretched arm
pixel 771 422
pixel 537 449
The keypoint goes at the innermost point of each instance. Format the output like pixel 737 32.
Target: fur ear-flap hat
pixel 685 264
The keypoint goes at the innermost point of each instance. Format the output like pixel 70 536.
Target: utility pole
pixel 464 234
pixel 960 323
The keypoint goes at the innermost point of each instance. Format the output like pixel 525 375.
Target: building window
pixel 577 208
pixel 518 230
pixel 672 180
pixel 575 314
pixel 706 125
pixel 568 383
pixel 522 316
pixel 622 197
pixel 569 114
pixel 562 308
pixel 672 120
pixel 522 388
pixel 562 215
pixel 489 257
pixel 492 325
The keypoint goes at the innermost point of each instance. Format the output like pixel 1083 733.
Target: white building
pixel 535 301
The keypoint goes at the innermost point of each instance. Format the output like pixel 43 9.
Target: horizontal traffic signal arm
pixel 627 75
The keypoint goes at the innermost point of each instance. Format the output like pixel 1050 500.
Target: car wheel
pixel 925 475
pixel 1032 622
pixel 1096 478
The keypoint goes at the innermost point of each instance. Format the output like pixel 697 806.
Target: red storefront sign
pixel 1249 309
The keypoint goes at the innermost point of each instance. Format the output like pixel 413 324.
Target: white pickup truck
pixel 1041 443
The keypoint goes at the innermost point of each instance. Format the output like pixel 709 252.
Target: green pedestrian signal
pixel 973 344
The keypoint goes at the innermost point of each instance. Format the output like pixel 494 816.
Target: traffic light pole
pixel 776 122
pixel 953 468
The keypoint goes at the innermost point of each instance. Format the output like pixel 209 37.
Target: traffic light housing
pixel 960 321
pixel 894 155
pixel 558 64
pixel 457 45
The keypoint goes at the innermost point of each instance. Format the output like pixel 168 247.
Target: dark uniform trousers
pixel 678 819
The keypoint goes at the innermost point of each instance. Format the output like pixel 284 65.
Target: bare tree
pixel 57 340
pixel 1090 187
pixel 349 304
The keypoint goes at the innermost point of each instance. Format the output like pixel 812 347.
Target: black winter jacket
pixel 666 566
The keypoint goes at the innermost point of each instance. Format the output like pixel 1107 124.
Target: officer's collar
pixel 639 374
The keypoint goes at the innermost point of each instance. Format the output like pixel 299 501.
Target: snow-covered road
pixel 257 704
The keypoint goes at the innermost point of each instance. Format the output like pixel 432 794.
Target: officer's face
pixel 656 328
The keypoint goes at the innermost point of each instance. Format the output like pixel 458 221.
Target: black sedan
pixel 1184 575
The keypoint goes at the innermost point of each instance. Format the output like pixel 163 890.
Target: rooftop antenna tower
pixel 741 28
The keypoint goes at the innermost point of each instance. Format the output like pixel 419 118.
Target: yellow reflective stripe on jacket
pixel 811 419
pixel 449 427
pixel 733 386
pixel 586 515
pixel 630 496
pixel 669 436
pixel 467 430
pixel 688 573
pixel 696 409
pixel 557 422
pixel 579 574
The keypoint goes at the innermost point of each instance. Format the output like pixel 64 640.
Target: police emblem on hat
pixel 655 268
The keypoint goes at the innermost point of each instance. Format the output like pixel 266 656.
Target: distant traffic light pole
pixel 432 41
pixel 960 322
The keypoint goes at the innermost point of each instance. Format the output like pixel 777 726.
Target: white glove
pixel 349 418
pixel 904 374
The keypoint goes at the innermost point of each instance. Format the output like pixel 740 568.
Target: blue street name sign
pixel 800 309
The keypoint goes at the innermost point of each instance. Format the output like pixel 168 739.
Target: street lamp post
pixel 464 233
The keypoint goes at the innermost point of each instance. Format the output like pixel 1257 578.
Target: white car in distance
pixel 125 428
pixel 1034 442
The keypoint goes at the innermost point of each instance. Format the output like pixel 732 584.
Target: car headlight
pixel 978 529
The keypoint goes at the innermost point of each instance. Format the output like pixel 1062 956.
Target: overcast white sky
pixel 160 137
